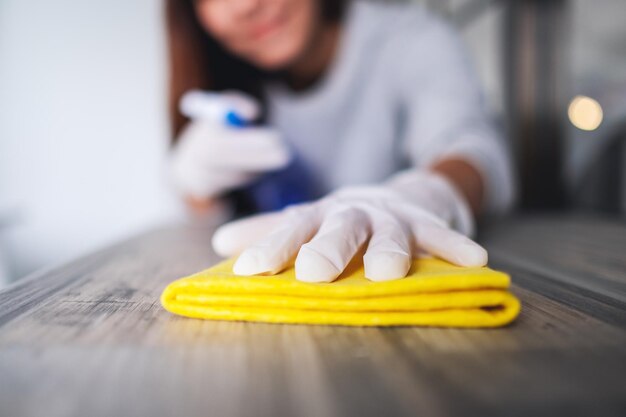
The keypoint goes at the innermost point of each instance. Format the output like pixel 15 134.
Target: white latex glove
pixel 211 157
pixel 416 211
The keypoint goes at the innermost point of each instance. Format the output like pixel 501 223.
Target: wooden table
pixel 90 339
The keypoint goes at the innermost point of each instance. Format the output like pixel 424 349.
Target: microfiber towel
pixel 435 293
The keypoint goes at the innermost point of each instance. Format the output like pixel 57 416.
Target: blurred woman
pixel 366 114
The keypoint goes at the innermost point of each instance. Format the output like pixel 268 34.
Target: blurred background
pixel 84 134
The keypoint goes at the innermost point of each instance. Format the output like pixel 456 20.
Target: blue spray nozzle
pixel 233 119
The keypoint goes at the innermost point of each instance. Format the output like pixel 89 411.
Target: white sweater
pixel 401 92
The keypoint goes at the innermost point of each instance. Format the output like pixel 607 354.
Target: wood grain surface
pixel 90 339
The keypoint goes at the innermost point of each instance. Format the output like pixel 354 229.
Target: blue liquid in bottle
pixel 279 189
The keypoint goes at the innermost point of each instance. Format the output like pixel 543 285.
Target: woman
pixel 378 104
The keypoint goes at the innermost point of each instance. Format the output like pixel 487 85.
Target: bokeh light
pixel 585 113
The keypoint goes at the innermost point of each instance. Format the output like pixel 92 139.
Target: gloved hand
pixel 414 211
pixel 212 157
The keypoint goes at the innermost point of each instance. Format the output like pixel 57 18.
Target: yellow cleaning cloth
pixel 435 293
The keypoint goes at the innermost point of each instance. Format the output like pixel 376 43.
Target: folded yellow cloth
pixel 435 293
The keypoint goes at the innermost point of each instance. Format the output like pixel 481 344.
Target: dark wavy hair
pixel 196 60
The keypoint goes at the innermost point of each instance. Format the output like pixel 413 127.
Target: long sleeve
pixel 444 109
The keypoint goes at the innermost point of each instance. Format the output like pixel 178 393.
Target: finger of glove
pixel 199 182
pixel 244 149
pixel 277 250
pixel 388 254
pixel 232 238
pixel 340 236
pixel 250 149
pixel 450 245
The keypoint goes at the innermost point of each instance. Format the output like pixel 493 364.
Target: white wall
pixel 82 126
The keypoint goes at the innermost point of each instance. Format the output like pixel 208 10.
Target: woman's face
pixel 270 34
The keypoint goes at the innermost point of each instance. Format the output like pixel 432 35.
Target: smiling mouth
pixel 261 31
